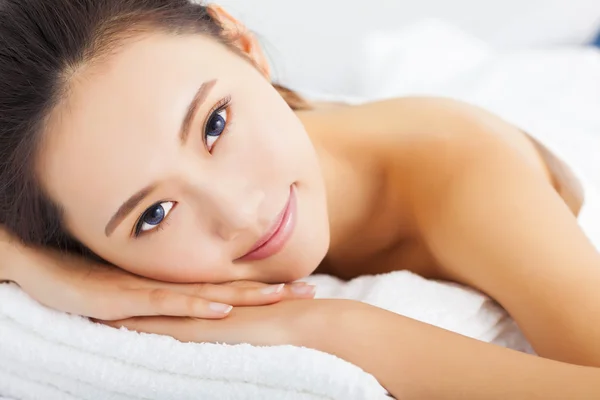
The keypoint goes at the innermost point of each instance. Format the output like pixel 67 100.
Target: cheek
pixel 182 260
pixel 274 146
pixel 270 137
pixel 181 252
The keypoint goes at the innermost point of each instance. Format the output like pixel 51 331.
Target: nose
pixel 231 205
pixel 237 211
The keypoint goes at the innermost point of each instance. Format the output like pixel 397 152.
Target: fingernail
pixel 303 289
pixel 272 289
pixel 220 308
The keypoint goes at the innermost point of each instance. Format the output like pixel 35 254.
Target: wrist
pixel 331 320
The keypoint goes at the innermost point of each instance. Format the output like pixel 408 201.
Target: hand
pixel 294 322
pixel 76 285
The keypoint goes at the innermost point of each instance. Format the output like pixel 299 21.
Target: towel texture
pixel 49 355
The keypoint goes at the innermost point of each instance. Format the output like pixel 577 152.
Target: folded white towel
pixel 49 355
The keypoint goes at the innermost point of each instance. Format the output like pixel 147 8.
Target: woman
pixel 146 133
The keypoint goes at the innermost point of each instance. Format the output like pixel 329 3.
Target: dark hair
pixel 41 43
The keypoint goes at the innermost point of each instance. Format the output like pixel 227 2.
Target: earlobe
pixel 242 38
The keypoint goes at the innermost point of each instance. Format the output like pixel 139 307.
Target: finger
pixel 299 290
pixel 255 284
pixel 151 302
pixel 238 293
pixel 243 293
pixel 256 295
pixel 249 284
pixel 241 296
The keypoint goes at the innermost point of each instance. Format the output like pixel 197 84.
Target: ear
pixel 241 37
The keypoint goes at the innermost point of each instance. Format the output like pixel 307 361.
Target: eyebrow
pixel 130 204
pixel 197 101
pixel 126 208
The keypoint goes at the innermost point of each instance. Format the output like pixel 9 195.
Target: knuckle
pixel 246 296
pixel 192 305
pixel 158 297
pixel 230 295
pixel 200 288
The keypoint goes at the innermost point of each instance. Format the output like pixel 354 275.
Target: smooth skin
pixel 435 186
pixel 492 188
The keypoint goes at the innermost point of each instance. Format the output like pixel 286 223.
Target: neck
pixel 352 190
pixel 332 169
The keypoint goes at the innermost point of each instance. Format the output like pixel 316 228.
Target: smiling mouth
pixel 276 237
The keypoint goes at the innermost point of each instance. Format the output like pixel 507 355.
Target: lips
pixel 278 234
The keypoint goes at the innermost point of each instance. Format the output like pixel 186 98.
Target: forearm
pixel 413 360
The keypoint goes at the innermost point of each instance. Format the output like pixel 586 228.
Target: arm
pixel 413 360
pixel 494 222
pixel 76 285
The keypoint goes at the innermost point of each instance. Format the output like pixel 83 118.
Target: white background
pixel 315 44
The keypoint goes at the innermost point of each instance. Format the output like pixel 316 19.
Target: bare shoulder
pixel 412 131
pixel 429 139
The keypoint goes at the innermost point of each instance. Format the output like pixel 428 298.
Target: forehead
pixel 124 116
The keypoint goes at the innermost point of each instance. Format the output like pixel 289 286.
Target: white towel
pixel 45 354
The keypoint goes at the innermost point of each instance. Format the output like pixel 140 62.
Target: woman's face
pixel 175 157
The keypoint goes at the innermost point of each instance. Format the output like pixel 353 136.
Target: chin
pixel 300 272
pixel 306 258
pixel 292 273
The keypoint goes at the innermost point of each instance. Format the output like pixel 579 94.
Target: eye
pixel 153 217
pixel 215 125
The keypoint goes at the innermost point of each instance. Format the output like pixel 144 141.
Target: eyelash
pixel 221 105
pixel 137 228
